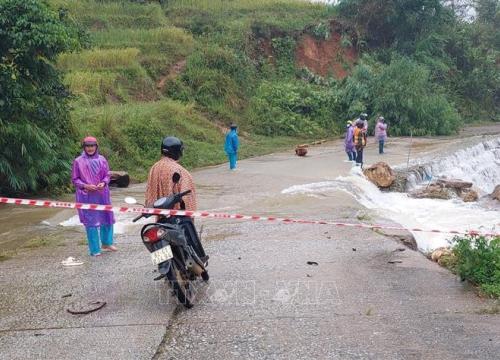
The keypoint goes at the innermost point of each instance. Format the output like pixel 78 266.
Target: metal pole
pixel 409 151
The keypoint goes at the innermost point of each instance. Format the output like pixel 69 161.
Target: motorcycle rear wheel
pixel 181 286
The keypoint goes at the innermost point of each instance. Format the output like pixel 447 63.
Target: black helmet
pixel 172 147
pixel 363 116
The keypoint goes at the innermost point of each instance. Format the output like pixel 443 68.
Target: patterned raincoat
pixel 160 183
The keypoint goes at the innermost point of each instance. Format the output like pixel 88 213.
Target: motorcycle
pixel 175 247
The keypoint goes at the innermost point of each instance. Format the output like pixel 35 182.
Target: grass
pixel 286 15
pixel 492 310
pixel 159 48
pixel 99 59
pixel 6 255
pixel 99 15
pixel 363 217
pixel 42 241
pixel 170 40
pixel 91 87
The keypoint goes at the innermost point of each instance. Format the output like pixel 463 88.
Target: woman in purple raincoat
pixel 90 176
pixel 349 142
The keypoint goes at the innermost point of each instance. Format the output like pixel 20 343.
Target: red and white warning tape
pixel 204 214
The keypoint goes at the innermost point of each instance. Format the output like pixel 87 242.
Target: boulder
pixel 456 184
pixel 380 174
pixel 496 193
pixel 433 191
pixel 400 183
pixel 439 253
pixel 301 150
pixel 119 178
pixel 469 195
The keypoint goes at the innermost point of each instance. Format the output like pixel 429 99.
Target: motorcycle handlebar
pixel 179 195
pixel 183 193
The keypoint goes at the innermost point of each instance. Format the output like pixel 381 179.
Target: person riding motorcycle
pixel 160 183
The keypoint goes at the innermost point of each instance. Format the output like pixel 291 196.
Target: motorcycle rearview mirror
pixel 176 178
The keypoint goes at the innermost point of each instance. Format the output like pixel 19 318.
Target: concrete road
pixel 368 297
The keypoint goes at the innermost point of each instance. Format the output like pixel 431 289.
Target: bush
pixel 293 108
pixel 404 94
pixel 478 260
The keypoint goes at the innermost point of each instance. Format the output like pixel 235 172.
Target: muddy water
pixel 254 188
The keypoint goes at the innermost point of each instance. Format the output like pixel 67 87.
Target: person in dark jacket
pixel 231 146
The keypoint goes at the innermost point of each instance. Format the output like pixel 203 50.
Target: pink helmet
pixel 89 140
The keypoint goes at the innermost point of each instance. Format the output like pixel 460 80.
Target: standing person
pixel 349 142
pixel 90 175
pixel 363 119
pixel 381 133
pixel 359 143
pixel 231 146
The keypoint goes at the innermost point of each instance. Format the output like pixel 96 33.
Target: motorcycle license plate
pixel 162 255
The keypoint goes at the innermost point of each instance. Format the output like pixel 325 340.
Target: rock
pixel 380 174
pixel 469 195
pixel 496 193
pixel 399 184
pixel 433 191
pixel 301 150
pixel 439 253
pixel 446 189
pixel 119 178
pixel 458 185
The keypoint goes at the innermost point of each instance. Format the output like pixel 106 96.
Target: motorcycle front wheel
pixel 181 286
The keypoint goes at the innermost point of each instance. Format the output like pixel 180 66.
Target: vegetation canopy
pixel 35 132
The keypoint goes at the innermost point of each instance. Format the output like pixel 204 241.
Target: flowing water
pixel 478 163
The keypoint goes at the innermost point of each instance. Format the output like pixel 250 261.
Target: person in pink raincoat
pixel 381 133
pixel 90 175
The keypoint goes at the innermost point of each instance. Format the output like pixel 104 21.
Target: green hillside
pixel 285 71
pixel 146 75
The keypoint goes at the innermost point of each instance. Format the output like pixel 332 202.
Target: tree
pixel 394 22
pixel 35 132
pixel 488 11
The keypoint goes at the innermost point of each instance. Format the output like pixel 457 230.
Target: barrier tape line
pixel 204 214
